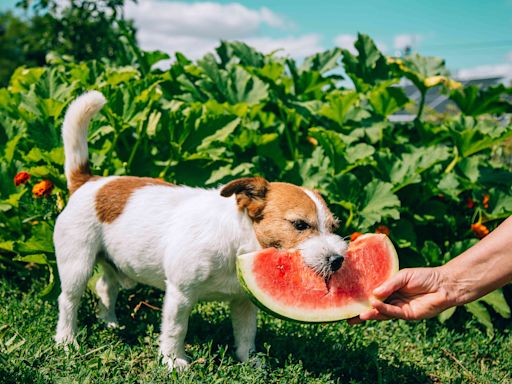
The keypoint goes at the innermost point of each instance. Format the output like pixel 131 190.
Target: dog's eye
pixel 300 225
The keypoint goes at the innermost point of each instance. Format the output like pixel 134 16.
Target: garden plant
pixel 435 184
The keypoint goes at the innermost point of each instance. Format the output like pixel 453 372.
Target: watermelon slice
pixel 279 282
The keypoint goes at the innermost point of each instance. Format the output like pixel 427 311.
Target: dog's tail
pixel 74 134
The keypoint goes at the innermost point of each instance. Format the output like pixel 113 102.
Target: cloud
pixel 296 46
pixel 347 41
pixel 196 28
pixel 204 19
pixel 486 71
pixel 192 46
pixel 407 40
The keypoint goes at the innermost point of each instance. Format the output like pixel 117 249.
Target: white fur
pixel 316 252
pixel 74 129
pixel 179 239
pixel 320 212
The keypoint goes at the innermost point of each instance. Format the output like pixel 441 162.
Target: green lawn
pixel 385 352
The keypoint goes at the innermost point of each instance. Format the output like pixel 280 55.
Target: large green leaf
pixel 501 204
pixel 471 136
pixel 322 62
pixel 446 314
pixel 244 88
pixel 368 66
pixel 14 199
pixel 246 54
pixel 40 241
pixel 220 135
pixel 379 203
pixel 432 253
pixel 474 101
pixel 407 170
pixel 481 313
pixel 340 106
pixel 419 68
pixel 386 100
pixel 334 146
pixel 497 301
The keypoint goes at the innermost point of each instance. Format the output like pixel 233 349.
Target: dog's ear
pixel 250 194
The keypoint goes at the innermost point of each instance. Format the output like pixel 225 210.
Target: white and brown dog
pixel 179 239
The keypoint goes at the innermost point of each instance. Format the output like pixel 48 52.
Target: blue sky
pixel 475 37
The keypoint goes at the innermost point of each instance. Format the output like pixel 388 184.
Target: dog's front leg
pixel 243 317
pixel 176 311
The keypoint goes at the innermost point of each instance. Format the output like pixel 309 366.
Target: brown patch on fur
pixel 250 194
pixel 113 196
pixel 79 177
pixel 286 203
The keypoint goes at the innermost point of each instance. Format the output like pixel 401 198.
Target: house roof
pixel 435 100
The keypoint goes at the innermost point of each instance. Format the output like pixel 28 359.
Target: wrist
pixel 455 291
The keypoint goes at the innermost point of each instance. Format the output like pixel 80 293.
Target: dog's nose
pixel 336 261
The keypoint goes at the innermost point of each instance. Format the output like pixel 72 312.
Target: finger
pixel 372 314
pixel 388 310
pixel 391 285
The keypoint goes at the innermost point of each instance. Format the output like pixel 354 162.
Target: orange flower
pixel 355 235
pixel 480 230
pixel 485 201
pixel 470 203
pixel 43 188
pixel 382 229
pixel 312 141
pixel 21 178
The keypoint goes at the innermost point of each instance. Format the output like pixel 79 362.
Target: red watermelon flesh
pixel 280 282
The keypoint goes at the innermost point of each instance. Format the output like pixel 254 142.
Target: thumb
pixel 393 284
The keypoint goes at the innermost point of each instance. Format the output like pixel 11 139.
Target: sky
pixel 474 37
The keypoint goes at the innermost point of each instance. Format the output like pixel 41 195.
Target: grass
pixel 383 352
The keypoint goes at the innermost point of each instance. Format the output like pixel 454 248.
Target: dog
pixel 179 239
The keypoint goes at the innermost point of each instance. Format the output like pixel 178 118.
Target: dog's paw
pixel 176 364
pixel 64 338
pixel 257 360
pixel 112 324
pixel 244 352
pixel 66 341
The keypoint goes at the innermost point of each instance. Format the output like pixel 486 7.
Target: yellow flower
pixel 433 81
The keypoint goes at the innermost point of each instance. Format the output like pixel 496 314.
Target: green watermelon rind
pixel 264 301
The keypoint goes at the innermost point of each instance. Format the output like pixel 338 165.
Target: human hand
pixel 412 294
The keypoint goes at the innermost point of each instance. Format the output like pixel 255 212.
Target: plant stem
pixel 454 162
pixel 350 217
pixel 422 104
pixel 135 148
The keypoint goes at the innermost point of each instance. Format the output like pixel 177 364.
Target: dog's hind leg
pixel 107 288
pixel 243 318
pixel 76 256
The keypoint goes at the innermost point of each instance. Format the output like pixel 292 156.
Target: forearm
pixel 481 269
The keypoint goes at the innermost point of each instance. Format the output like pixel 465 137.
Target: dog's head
pixel 287 216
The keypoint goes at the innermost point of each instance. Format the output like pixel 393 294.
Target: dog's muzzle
pixel 335 262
